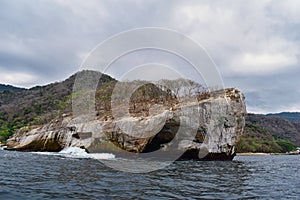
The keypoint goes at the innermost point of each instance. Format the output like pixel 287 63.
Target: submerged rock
pixel 208 129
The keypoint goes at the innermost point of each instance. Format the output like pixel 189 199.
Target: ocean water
pixel 73 174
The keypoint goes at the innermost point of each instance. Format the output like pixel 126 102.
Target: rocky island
pixel 217 123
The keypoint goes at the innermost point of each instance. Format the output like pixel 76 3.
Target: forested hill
pixel 265 133
pixel 35 106
pixel 290 116
pixel 10 88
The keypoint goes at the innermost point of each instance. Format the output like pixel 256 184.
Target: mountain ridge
pixel 290 116
pixel 7 87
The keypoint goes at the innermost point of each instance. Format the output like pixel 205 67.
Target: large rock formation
pixel 208 129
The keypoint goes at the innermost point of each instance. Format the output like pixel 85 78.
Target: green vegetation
pixel 277 127
pixel 6 130
pixel 285 145
pixel 14 117
pixel 258 139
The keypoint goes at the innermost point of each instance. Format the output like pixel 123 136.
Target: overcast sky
pixel 255 44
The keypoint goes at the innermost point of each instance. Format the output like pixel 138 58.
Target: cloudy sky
pixel 255 45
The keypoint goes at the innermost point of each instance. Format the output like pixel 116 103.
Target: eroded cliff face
pixel 208 129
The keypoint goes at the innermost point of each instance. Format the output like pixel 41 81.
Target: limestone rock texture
pixel 203 130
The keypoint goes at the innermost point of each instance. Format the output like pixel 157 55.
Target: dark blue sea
pixel 57 176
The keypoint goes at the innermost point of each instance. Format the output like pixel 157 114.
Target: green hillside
pixel 258 139
pixel 36 106
pixel 290 116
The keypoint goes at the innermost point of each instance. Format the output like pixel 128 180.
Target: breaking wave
pixel 76 152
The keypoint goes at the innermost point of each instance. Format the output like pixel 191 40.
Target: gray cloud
pixel 255 45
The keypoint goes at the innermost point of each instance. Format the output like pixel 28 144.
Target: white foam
pixel 3 147
pixel 81 153
pixel 45 153
pixel 102 156
pixel 74 152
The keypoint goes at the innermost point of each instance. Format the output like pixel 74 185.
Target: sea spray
pixel 81 153
pixel 76 152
